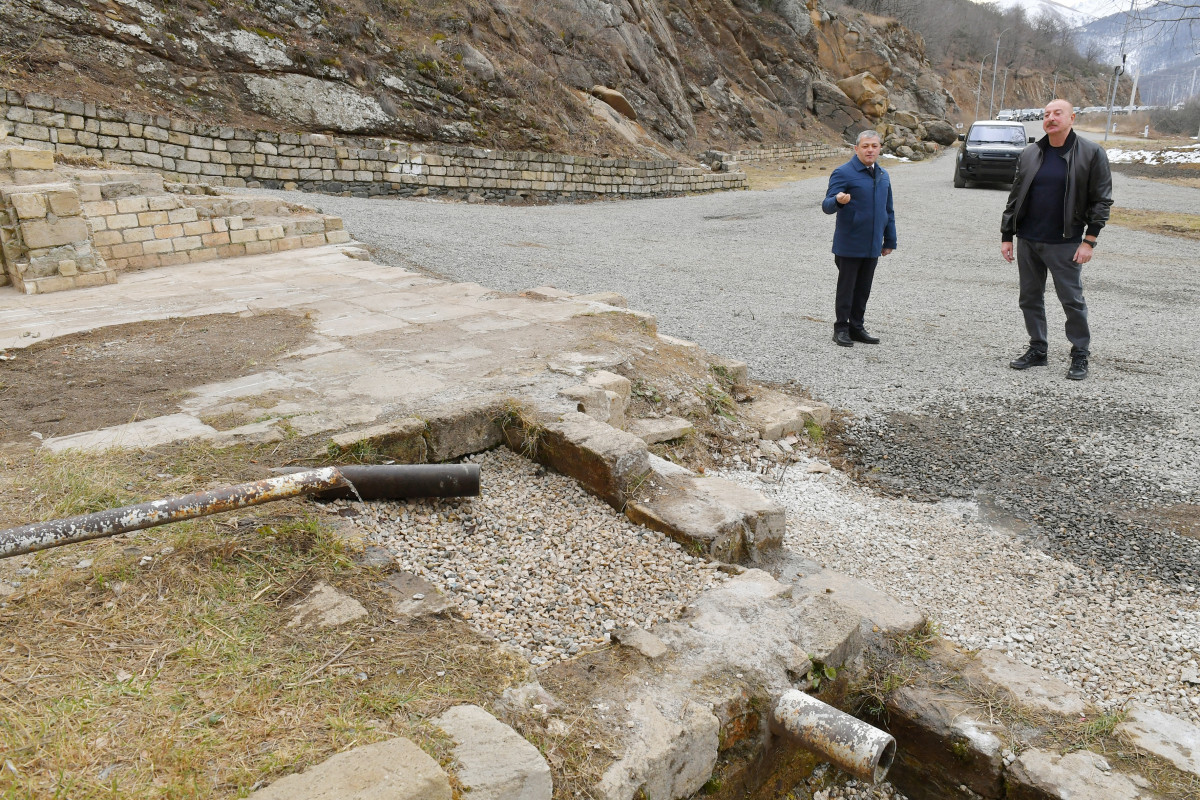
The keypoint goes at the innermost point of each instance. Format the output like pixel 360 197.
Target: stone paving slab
pixel 388 343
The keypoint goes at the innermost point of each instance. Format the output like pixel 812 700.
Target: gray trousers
pixel 1034 260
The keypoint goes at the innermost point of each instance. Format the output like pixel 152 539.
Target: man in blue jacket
pixel 860 193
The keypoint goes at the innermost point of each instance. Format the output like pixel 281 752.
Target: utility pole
pixel 979 87
pixel 1117 70
pixel 1054 88
pixel 995 61
pixel 1003 87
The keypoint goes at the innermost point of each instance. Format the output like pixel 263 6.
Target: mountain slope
pixel 514 74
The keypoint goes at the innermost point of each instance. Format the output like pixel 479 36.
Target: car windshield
pixel 992 133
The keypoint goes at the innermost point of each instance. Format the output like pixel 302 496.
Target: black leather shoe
pixel 843 338
pixel 861 335
pixel 1079 369
pixel 1032 358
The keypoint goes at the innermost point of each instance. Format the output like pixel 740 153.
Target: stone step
pixel 395 769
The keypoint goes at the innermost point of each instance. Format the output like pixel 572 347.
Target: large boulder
pixel 941 132
pixel 316 104
pixel 867 93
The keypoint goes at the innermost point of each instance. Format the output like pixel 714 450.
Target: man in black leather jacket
pixel 1059 201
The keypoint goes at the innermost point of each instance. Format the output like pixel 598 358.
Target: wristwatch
pixel 1089 244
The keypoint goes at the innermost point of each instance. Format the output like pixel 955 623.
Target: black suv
pixel 989 152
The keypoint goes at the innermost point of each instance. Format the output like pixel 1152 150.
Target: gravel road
pixel 1020 510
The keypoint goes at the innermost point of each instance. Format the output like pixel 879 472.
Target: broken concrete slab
pixel 674 758
pixel 469 426
pixel 413 597
pixel 1042 775
pixel 494 762
pixel 777 415
pixel 945 745
pixel 325 607
pixel 146 433
pixel 712 515
pixel 608 463
pixel 1029 687
pixel 890 615
pixel 660 429
pixel 401 440
pixel 1166 736
pixel 641 640
pixel 395 769
pixel 734 371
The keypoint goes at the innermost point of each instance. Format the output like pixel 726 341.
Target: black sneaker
pixel 1033 358
pixel 842 338
pixel 1079 368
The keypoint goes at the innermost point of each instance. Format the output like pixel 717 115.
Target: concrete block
pixel 215 239
pixel 395 769
pixel 64 202
pixel 198 228
pixel 243 236
pixel 1041 775
pixel 185 243
pixel 1029 687
pixel 890 615
pixel 119 221
pixel 777 415
pixel 336 237
pixel 30 205
pixel 608 462
pixel 458 429
pixel 152 218
pixel 132 205
pixel 402 440
pixel 41 233
pixel 493 761
pixel 181 215
pixel 137 234
pixel 168 231
pixel 27 158
pixel 1168 737
pixel 157 246
pixel 98 208
pixel 711 515
pixel 258 248
pixel 946 745
pixel 663 429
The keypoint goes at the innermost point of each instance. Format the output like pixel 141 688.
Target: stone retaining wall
pixel 800 151
pixel 193 153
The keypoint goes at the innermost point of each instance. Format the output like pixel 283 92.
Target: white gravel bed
pixel 1115 635
pixel 536 562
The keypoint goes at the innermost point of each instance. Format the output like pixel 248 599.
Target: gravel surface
pixel 536 562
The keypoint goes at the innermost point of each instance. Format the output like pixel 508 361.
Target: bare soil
pixel 115 375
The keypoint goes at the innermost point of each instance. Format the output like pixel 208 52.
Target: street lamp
pixel 1004 87
pixel 1054 89
pixel 995 61
pixel 979 87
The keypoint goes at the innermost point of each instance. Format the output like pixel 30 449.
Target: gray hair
pixel 867 134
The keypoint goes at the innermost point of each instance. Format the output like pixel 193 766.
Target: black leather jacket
pixel 1089 186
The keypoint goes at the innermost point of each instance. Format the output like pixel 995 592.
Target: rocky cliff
pixel 588 76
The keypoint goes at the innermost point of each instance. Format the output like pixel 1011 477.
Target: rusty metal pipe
pixel 43 535
pixel 398 481
pixel 850 744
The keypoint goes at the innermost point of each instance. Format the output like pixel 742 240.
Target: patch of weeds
pixel 518 423
pixel 646 391
pixel 820 673
pixel 717 400
pixel 815 432
pixel 713 785
pixel 919 643
pixel 361 452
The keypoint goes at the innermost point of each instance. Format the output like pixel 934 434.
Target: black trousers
pixel 853 290
pixel 1034 261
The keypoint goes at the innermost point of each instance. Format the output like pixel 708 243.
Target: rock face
pixel 506 74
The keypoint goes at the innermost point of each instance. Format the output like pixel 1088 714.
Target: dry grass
pixel 159 664
pixel 1170 223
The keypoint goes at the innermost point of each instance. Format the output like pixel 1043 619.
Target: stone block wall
pixel 44 237
pixel 187 152
pixel 800 151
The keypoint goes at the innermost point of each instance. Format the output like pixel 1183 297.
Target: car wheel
pixel 959 181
